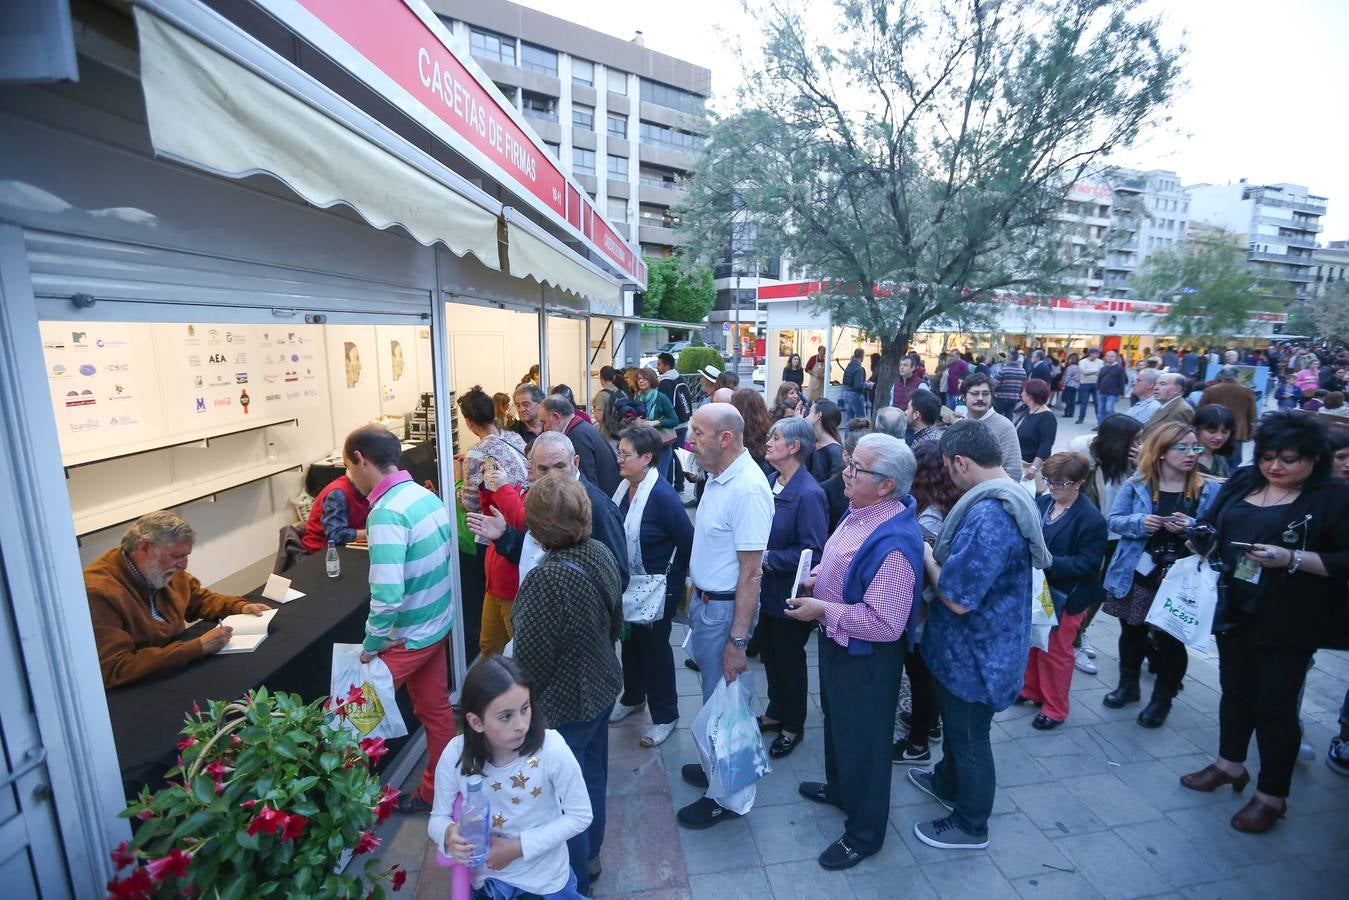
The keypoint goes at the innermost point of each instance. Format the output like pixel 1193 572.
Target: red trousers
pixel 1050 675
pixel 426 672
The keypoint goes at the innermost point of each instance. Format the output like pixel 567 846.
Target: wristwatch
pixel 740 643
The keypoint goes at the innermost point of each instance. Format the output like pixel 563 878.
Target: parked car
pixel 648 360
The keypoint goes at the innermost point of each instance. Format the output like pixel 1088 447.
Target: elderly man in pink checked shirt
pixel 864 591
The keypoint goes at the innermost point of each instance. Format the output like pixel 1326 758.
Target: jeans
pixel 854 405
pixel 782 648
pixel 952 400
pixel 426 672
pixel 1105 406
pixel 496 889
pixel 1069 395
pixel 709 627
pixel 1260 686
pixel 589 743
pixel 665 464
pixel 965 773
pixel 648 671
pixel 1084 393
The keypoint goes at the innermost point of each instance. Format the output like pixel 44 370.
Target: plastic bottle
pixel 475 819
pixel 331 562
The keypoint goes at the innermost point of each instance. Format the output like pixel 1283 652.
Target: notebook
pixel 249 631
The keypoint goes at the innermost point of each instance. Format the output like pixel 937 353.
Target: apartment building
pixel 1332 266
pixel 626 121
pixel 1278 223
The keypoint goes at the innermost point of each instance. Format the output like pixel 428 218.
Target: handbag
pixel 644 600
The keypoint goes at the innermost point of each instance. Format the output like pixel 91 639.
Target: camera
pixel 1202 538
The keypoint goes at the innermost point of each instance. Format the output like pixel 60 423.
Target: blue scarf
pixel 899 532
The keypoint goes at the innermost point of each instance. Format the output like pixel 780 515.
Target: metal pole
pixel 735 354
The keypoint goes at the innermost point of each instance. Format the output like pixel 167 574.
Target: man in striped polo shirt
pixel 410 537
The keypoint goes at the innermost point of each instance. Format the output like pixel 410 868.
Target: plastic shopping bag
pixel 732 753
pixel 378 716
pixel 1185 602
pixel 1042 617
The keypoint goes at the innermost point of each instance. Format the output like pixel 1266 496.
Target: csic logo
pixel 217 359
pixel 117 367
pixel 87 370
pixel 201 404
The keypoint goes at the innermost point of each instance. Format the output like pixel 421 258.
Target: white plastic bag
pixel 378 716
pixel 732 753
pixel 1042 616
pixel 1185 602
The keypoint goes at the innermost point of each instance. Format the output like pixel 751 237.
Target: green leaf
pixel 246 840
pixel 203 788
pixel 237 888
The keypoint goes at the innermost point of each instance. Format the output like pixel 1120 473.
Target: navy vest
pixel 899 532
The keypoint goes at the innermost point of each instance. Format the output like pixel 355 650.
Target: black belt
pixel 714 595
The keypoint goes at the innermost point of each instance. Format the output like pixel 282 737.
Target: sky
pixel 1267 97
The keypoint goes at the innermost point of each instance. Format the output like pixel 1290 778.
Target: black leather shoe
pixel 704 813
pixel 840 855
pixel 693 774
pixel 690 664
pixel 1044 723
pixel 816 791
pixel 784 745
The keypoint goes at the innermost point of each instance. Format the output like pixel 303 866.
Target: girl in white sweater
pixel 533 783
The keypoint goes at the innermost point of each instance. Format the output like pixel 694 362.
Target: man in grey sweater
pixel 976 392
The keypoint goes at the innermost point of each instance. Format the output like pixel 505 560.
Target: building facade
pixel 626 121
pixel 1278 224
pixel 1332 266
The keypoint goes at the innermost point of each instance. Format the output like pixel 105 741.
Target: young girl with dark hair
pixel 530 778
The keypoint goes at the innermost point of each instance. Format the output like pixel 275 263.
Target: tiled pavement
pixel 1092 809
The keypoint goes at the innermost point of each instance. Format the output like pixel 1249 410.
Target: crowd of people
pixel 929 525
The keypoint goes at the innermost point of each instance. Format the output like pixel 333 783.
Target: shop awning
pixel 208 111
pixel 532 253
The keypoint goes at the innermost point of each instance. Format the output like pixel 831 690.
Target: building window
pixel 583 117
pixel 618 210
pixel 506 91
pixel 555 149
pixel 582 161
pixel 493 46
pixel 672 97
pixel 618 168
pixel 661 136
pixel 538 106
pixel 582 72
pixel 538 59
pixel 618 81
pixel 618 126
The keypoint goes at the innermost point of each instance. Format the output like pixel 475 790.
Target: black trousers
pixel 1167 653
pixel 648 670
pixel 923 697
pixel 782 648
pixel 858 695
pixel 1260 692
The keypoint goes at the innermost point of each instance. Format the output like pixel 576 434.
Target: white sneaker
pixel 1083 662
pixel 621 712
pixel 1089 650
pixel 655 735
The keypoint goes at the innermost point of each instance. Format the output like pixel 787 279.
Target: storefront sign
pixel 395 38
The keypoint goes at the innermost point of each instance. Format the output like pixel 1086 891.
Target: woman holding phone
pixel 1151 514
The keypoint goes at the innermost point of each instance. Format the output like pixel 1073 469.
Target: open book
pixel 249 631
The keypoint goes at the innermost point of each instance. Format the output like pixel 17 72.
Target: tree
pixel 1329 313
pixel 678 292
pixel 1211 291
pixel 914 156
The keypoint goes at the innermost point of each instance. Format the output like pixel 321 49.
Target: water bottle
pixel 331 562
pixel 475 819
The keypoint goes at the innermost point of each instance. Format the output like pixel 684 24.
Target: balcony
pixel 1132 185
pixel 667 157
pixel 661 193
pixel 659 234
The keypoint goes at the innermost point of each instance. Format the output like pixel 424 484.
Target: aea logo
pixel 201 404
pixel 217 359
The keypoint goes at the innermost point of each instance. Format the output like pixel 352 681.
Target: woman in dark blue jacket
pixel 1075 533
pixel 800 522
pixel 659 538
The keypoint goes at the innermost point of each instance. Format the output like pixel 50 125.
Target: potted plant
pixel 268 797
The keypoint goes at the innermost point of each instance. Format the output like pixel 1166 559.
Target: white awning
pixel 209 111
pixel 534 255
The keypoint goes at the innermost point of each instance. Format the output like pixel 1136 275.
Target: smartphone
pixel 1242 544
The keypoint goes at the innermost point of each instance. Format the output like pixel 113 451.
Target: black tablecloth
pixel 296 657
pixel 420 462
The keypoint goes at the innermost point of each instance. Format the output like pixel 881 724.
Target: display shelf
pixel 204 437
pixel 120 515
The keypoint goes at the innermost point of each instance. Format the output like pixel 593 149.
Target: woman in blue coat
pixel 1151 514
pixel 800 522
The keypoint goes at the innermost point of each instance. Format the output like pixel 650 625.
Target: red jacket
pixel 358 509
pixel 503 576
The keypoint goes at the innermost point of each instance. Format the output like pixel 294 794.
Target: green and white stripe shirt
pixel 410 539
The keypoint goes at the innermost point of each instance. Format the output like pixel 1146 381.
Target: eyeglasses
pixel 852 468
pixel 1196 449
pixel 1060 485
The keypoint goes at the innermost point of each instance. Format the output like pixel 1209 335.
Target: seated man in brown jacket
pixel 141 597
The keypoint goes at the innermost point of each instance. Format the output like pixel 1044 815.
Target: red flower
pixel 400 877
pixel 267 821
pixel 196 710
pixel 388 800
pixel 136 886
pixel 356 696
pixel 145 815
pixel 235 740
pixel 374 749
pixel 366 843
pixel 172 866
pixel 293 827
pixel 121 857
pixel 185 743
pixel 249 804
